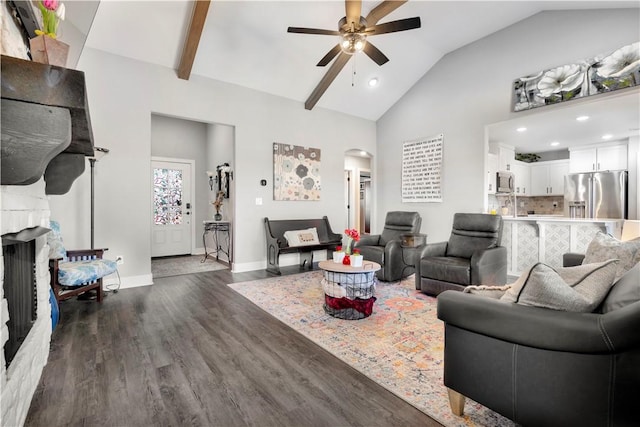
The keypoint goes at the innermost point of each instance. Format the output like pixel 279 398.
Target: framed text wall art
pixel 422 170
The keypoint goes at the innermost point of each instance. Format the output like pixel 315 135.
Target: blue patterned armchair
pixel 75 272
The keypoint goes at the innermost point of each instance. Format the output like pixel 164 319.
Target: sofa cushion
pixel 604 247
pixel 579 289
pixel 624 292
pixel 54 240
pixel 446 269
pixel 372 253
pixel 78 273
pixel 304 237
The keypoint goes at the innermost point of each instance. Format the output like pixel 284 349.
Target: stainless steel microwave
pixel 504 182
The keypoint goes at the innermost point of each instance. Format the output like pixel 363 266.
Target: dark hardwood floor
pixel 190 351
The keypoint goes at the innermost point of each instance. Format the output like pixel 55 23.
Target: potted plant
pixel 338 255
pixel 356 258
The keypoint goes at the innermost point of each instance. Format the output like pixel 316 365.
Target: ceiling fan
pixel 353 30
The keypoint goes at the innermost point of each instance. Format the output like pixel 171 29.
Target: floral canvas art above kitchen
pixel 601 74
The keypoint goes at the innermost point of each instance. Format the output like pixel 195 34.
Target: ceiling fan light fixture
pixel 351 43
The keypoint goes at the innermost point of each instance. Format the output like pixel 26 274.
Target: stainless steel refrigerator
pixel 596 195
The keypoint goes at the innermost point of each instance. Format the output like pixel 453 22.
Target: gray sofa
pixel 386 249
pixel 472 256
pixel 542 367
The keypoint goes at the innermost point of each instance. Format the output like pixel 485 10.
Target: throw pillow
pixel 54 240
pixel 624 292
pixel 302 237
pixel 579 289
pixel 604 247
pixel 495 292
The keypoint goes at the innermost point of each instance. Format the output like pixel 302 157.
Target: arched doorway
pixel 358 190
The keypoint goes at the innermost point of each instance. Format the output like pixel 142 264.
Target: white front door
pixel 171 208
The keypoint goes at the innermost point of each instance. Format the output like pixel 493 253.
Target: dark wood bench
pixel 277 244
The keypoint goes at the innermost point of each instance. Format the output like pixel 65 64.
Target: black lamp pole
pixel 98 154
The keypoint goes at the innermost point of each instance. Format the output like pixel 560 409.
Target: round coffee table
pixel 349 292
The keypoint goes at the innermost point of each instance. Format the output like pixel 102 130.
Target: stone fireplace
pixel 46 135
pixel 24 207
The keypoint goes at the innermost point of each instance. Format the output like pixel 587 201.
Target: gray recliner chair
pixel 543 367
pixel 386 249
pixel 472 256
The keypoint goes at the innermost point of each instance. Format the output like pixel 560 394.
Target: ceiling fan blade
pixel 375 54
pixel 329 56
pixel 303 30
pixel 331 74
pixel 394 26
pixel 353 9
pixel 382 10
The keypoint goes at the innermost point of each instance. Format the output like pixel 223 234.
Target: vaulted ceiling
pixel 246 42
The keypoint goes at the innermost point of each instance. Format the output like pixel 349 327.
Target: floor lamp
pixel 98 153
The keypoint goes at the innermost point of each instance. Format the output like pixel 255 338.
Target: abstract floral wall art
pixel 296 172
pixel 603 73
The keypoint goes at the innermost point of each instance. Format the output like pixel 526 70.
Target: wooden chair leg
pixel 456 401
pixel 99 290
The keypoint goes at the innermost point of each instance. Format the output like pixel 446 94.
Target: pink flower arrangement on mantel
pixel 52 13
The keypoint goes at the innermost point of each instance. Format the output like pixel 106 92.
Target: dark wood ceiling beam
pixel 333 71
pixel 198 18
pixel 382 10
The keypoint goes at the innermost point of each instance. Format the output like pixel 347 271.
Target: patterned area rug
pixel 400 346
pixel 175 266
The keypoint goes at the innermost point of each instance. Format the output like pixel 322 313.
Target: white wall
pixel 123 93
pixel 471 87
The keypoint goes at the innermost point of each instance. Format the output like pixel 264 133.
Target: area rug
pixel 400 346
pixel 175 266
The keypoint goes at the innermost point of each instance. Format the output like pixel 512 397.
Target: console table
pixel 221 233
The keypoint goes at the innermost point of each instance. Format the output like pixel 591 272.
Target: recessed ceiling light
pixel 607 136
pixel 554 143
pixel 582 118
pixel 522 129
pixel 373 82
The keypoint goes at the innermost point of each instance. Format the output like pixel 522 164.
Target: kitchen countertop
pixel 560 218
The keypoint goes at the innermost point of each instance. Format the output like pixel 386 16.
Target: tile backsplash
pixel 540 205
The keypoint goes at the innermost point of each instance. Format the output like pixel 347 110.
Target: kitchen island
pixel 545 238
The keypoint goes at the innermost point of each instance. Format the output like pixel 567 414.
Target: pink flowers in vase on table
pixel 52 13
pixel 343 254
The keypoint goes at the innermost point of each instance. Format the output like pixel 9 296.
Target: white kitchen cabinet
pixel 506 158
pixel 602 158
pixel 547 178
pixel 492 168
pixel 522 175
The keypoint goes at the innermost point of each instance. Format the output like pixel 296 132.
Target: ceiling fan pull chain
pixel 353 74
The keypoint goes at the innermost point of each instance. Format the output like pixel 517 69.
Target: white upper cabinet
pixel 492 168
pixel 547 178
pixel 506 158
pixel 521 172
pixel 609 157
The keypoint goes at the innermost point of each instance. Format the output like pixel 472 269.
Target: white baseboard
pixel 129 281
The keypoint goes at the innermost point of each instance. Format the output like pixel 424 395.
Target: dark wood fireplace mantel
pixel 46 128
